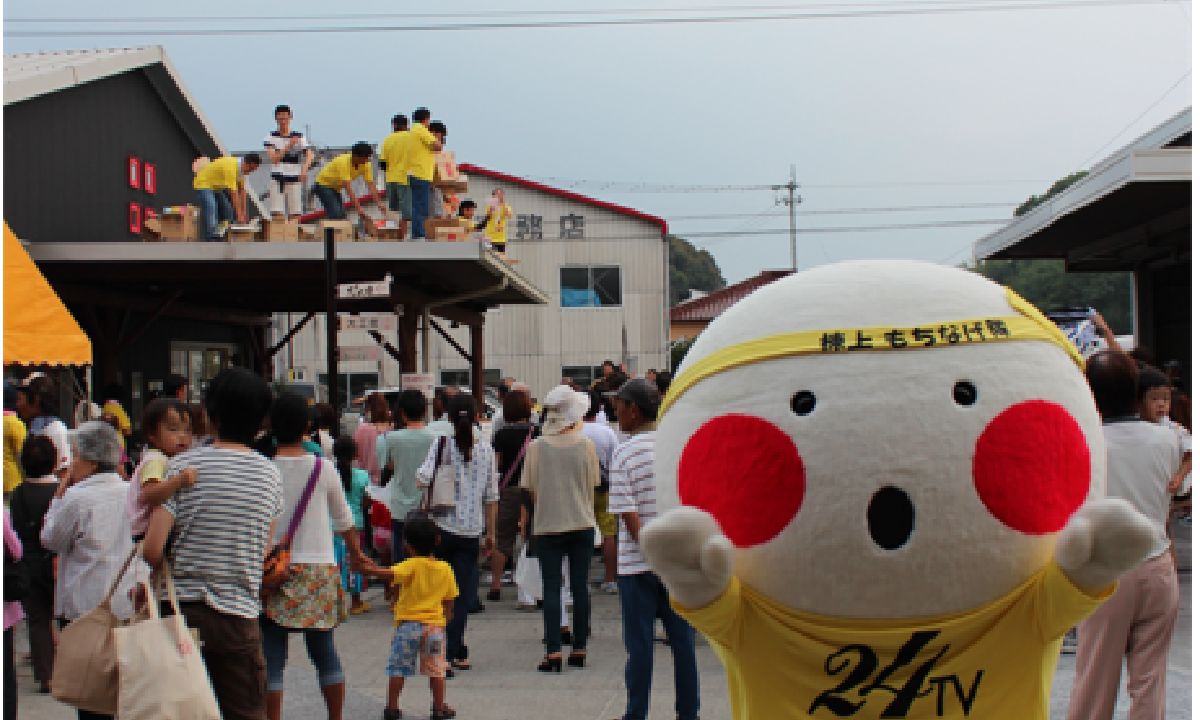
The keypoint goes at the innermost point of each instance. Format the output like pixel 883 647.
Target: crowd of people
pixel 214 488
pixel 421 497
pixel 406 157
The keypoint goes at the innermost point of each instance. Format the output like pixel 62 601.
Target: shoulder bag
pixel 276 565
pixel 440 495
pixel 517 460
pixel 85 663
pixel 160 672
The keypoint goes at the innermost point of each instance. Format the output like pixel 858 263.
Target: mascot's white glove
pixel 1102 540
pixel 691 555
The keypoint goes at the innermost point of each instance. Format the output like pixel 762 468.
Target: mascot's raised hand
pixel 881 487
pixel 692 556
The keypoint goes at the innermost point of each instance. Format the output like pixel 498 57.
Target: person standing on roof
pixel 393 161
pixel 495 227
pixel 290 157
pixel 212 182
pixel 338 175
pixel 422 144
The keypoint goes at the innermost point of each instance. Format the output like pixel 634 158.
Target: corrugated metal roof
pixel 705 309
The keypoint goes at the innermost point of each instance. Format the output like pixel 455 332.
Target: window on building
pixel 350 385
pixel 590 286
pixel 462 378
pixel 582 375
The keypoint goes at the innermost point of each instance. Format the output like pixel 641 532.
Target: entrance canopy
pixel 38 329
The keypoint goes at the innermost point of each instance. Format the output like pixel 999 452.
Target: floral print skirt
pixel 313 598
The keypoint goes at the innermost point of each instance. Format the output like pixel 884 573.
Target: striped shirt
pixel 631 489
pixel 288 167
pixel 221 526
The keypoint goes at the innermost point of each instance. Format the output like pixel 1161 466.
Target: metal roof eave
pixel 1117 171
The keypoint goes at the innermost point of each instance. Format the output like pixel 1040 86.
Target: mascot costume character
pixel 882 486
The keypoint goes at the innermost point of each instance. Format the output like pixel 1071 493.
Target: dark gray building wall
pixel 66 155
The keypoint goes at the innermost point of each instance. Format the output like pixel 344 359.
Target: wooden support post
pixel 477 365
pixel 406 329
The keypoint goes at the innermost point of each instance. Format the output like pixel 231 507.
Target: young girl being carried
pixel 166 424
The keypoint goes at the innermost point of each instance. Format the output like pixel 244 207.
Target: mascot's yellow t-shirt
pixel 994 663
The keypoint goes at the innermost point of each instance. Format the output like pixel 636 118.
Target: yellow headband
pixel 1029 325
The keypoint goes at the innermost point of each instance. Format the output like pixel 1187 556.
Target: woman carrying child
pixel 423 607
pixel 311 601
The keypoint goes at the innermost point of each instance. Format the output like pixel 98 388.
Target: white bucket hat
pixel 564 407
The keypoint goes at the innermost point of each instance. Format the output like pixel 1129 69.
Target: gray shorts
pixel 399 199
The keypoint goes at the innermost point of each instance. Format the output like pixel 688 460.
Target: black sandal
pixel 549 664
pixel 577 658
pixel 460 664
pixel 445 712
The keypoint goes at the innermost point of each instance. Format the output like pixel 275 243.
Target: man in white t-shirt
pixel 1136 623
pixel 291 157
pixel 605 441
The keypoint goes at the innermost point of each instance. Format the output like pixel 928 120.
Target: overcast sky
pixel 892 111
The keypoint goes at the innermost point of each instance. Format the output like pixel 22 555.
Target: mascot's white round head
pixel 882 439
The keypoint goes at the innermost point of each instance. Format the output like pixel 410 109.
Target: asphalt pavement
pixel 505 647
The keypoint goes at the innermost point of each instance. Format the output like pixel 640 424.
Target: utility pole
pixel 792 199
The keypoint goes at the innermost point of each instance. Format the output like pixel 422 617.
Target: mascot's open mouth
pixel 890 517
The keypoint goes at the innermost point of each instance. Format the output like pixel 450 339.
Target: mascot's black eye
pixel 803 402
pixel 965 393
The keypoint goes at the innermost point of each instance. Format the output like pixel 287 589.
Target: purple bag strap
pixel 298 515
pixel 517 461
pixel 437 463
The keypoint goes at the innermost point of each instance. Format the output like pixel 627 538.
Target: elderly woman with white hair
pixel 562 472
pixel 88 528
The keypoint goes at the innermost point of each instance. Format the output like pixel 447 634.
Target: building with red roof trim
pixel 690 317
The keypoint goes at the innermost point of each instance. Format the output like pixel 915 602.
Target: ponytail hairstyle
pixel 462 418
pixel 344 450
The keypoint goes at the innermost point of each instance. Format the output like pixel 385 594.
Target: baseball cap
pixel 640 392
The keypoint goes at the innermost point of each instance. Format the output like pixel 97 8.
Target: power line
pixel 841 211
pixel 844 228
pixel 973 7
pixel 622 187
pixel 1133 122
pixel 929 4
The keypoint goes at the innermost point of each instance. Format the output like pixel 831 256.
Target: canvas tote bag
pixel 443 488
pixel 162 676
pixel 85 664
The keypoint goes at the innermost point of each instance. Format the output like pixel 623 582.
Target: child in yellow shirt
pixel 424 605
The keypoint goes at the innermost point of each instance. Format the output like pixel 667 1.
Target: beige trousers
pixel 1134 625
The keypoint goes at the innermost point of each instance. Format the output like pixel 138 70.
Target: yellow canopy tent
pixel 38 329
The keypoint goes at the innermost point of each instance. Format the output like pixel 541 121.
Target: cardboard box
pixel 382 229
pixel 244 233
pixel 281 230
pixel 445 167
pixel 457 187
pixel 179 223
pixel 343 230
pixel 152 230
pixel 444 229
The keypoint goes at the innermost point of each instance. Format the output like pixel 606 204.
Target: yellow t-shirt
pixel 420 152
pixel 425 583
pixel 496 229
pixel 394 152
pixel 340 171
pixel 994 663
pixel 14 440
pixel 224 173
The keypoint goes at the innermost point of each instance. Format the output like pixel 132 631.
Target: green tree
pixel 691 269
pixel 1059 186
pixel 1048 285
pixel 679 348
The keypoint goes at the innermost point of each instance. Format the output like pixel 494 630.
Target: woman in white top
pixel 473 517
pixel 312 600
pixel 562 473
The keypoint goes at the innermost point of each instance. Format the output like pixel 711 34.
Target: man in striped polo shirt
pixel 220 528
pixel 291 157
pixel 631 497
